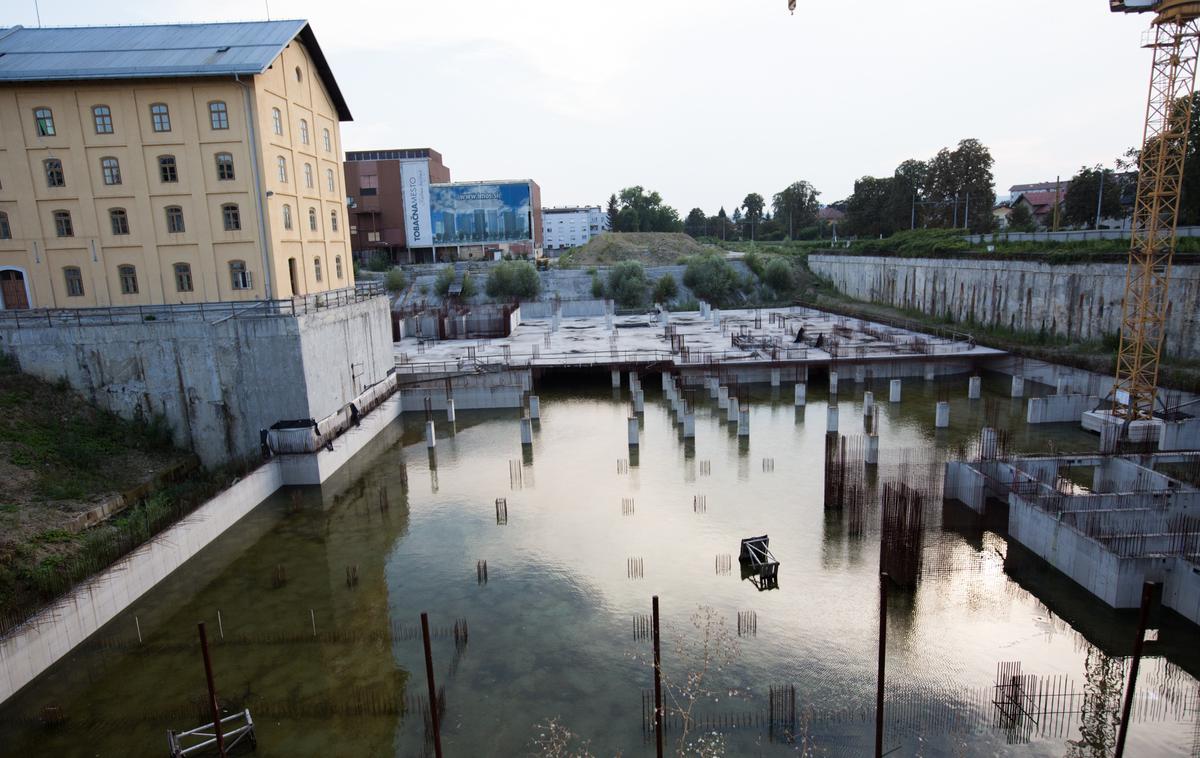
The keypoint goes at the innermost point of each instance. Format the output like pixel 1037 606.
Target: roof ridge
pixel 151 26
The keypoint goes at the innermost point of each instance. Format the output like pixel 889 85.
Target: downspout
pixel 259 187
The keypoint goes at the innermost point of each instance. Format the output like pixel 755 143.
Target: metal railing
pixel 212 312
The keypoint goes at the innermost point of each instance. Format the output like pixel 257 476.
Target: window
pixel 287 217
pixel 174 219
pixel 5 227
pixel 74 280
pixel 54 173
pixel 111 170
pixel 183 277
pixel 372 236
pixel 308 180
pixel 62 224
pixel 328 144
pixel 218 115
pixel 231 216
pixel 282 169
pixel 167 170
pixel 160 117
pixel 304 131
pixel 317 268
pixel 333 222
pixel 102 115
pixel 239 276
pixel 337 262
pixel 224 166
pixel 368 185
pixel 119 220
pixel 329 180
pixel 277 121
pixel 45 122
pixel 128 276
pixel 312 219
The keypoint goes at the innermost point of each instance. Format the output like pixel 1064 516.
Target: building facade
pixel 377 205
pixel 573 226
pixel 169 164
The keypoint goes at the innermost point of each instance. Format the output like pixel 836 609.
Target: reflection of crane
pixel 1174 39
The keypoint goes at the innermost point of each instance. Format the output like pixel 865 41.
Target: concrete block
pixel 723 398
pixel 833 382
pixel 775 375
pixel 733 410
pixel 631 425
pixel 868 403
pixel 1018 386
pixel 1180 435
pixel 430 435
pixel 526 431
pixel 450 415
pixel 639 401
pixel 894 391
pixel 616 378
pixel 872 457
pixel 974 387
pixel 801 391
pixel 535 407
pixel 743 429
pixel 860 374
pixel 930 372
pixel 831 418
pixel 689 425
pixel 942 415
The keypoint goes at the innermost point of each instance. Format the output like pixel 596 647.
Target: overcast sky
pixel 707 100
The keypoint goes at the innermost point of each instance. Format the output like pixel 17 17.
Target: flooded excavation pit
pixel 537 563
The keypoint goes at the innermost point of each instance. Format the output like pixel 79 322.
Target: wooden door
pixel 12 290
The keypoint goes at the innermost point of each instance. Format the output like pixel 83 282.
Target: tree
pixel 696 223
pixel 796 207
pixel 866 209
pixel 627 284
pixel 646 212
pixel 1189 202
pixel 720 225
pixel 514 279
pixel 665 289
pixel 908 183
pixel 753 203
pixel 712 278
pixel 959 184
pixel 627 220
pixel 1083 194
pixel 1021 219
pixel 613 209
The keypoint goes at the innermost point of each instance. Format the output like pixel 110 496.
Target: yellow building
pixel 169 164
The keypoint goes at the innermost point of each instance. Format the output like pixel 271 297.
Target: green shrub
pixel 514 279
pixel 755 263
pixel 379 261
pixel 445 278
pixel 597 286
pixel 665 289
pixel 627 284
pixel 778 276
pixel 394 281
pixel 712 278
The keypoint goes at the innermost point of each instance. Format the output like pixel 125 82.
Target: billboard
pixel 414 180
pixel 478 213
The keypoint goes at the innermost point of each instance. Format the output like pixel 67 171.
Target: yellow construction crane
pixel 1174 39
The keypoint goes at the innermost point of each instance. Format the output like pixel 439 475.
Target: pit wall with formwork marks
pixel 1078 301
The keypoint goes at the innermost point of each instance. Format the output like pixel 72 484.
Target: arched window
pixel 337 264
pixel 183 277
pixel 304 131
pixel 287 216
pixel 333 221
pixel 119 220
pixel 73 278
pixel 102 115
pixel 308 180
pixel 168 170
pixel 224 166
pixel 312 219
pixel 160 117
pixel 329 180
pixel 317 268
pixel 54 173
pixel 43 118
pixel 174 219
pixel 239 277
pixel 111 170
pixel 328 142
pixel 128 277
pixel 231 216
pixel 5 227
pixel 282 169
pixel 277 121
pixel 218 114
pixel 62 224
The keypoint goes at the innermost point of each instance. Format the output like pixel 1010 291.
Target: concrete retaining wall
pixel 1053 409
pixel 1180 435
pixel 1077 301
pixel 1072 553
pixel 964 484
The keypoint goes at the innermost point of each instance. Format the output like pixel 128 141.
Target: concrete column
pixel 535 407
pixel 554 323
pixel 732 414
pixel 775 377
pixel 450 410
pixel 632 426
pixel 868 403
pixel 689 425
pixel 716 317
pixel 744 422
pixel 987 443
pixel 831 418
pixel 930 372
pixel 942 415
pixel 974 387
pixel 1018 386
pixel 714 386
pixel 666 377
pixel 639 401
pixel 872 449
pixel 860 374
pixel 430 435
pixel 722 397
pixel 894 391
pixel 616 378
pixel 833 381
pixel 526 431
pixel 633 380
pixel 801 394
pixel 608 321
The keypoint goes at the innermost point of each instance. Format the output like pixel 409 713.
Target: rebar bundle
pixel 901 533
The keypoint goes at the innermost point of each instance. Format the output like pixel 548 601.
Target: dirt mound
pixel 651 248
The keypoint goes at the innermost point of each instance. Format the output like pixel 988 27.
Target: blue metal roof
pixel 168 50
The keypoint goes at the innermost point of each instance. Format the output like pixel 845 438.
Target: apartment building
pixel 169 164
pixel 572 226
